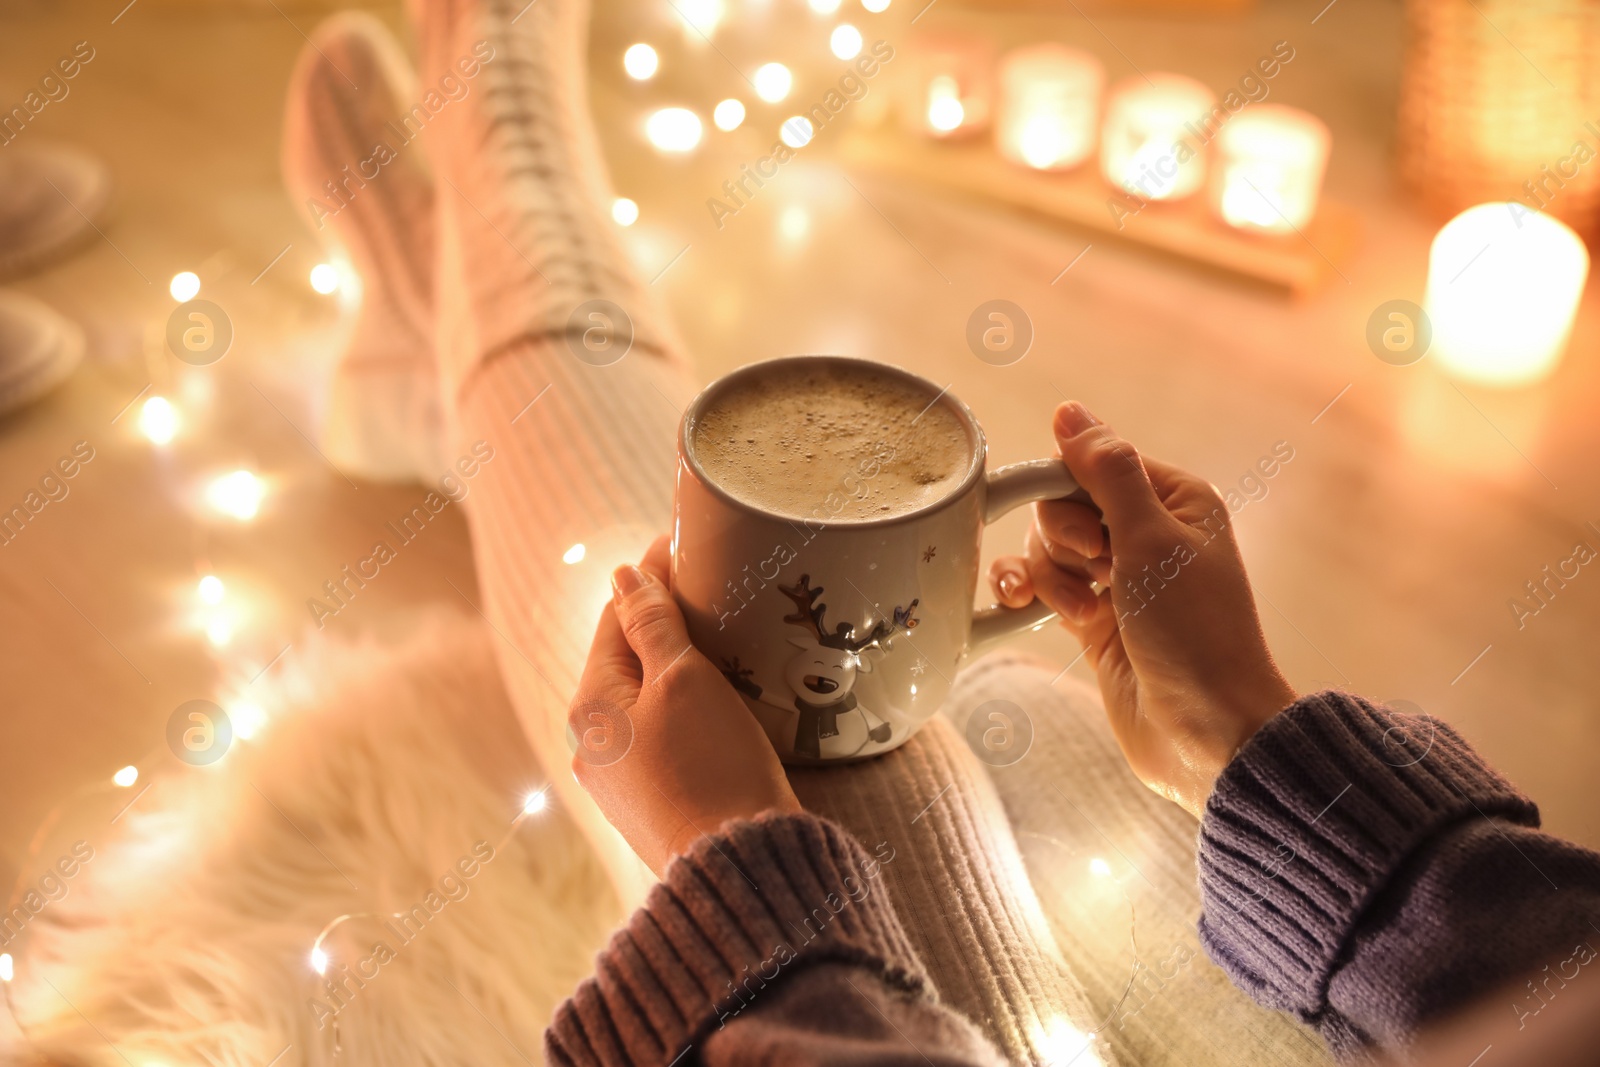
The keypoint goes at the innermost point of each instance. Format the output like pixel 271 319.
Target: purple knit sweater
pixel 1362 869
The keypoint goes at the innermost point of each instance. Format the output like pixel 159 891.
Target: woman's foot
pixel 351 160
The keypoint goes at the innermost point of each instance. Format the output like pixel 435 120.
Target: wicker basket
pixel 1495 97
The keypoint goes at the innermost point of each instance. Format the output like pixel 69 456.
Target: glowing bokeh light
pixel 535 803
pixel 624 212
pixel 1063 1043
pixel 701 16
pixel 673 129
pixel 797 131
pixel 185 286
pixel 219 631
pixel 237 495
pixel 211 590
pixel 945 112
pixel 126 776
pixel 728 114
pixel 574 554
pixel 158 420
pixel 325 278
pixel 641 62
pixel 845 41
pixel 773 82
pixel 247 719
pixel 794 223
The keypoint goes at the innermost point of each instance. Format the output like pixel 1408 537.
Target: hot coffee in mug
pixel 825 546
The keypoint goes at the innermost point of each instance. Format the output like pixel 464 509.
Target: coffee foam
pixel 837 441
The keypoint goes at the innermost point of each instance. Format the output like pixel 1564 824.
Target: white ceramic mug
pixel 843 635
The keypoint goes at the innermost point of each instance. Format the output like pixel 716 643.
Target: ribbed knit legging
pixel 583 455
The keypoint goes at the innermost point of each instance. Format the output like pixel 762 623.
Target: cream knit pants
pixel 995 871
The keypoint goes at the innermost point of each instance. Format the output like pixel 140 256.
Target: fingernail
pixel 1079 603
pixel 1008 584
pixel 1072 541
pixel 1072 418
pixel 627 580
pixel 1084 545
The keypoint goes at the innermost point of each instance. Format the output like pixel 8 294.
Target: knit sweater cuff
pixel 741 910
pixel 1311 820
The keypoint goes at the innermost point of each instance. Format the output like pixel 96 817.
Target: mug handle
pixel 1010 487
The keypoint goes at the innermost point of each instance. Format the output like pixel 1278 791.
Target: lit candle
pixel 1153 142
pixel 1268 168
pixel 1049 106
pixel 1503 288
pixel 952 86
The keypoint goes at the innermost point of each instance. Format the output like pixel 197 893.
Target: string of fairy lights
pixel 677 130
pixel 215 612
pixel 218 612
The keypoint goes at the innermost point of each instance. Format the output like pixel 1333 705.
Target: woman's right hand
pixel 676 754
pixel 1174 637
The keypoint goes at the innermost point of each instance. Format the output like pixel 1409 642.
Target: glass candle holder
pixel 1504 283
pixel 1153 142
pixel 1049 106
pixel 1268 167
pixel 949 91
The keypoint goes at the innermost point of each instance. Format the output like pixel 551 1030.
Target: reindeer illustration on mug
pixel 833 723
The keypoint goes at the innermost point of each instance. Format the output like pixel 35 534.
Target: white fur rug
pixel 382 780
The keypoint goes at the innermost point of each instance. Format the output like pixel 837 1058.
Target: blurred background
pixel 1439 418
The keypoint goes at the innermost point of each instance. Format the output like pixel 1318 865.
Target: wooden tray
pixel 1297 263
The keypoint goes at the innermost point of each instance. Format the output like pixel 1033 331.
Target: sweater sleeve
pixel 771 940
pixel 1368 872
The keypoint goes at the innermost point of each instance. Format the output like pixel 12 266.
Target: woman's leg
pixel 1114 864
pixel 584 454
pixel 348 93
pixel 581 415
pixel 962 891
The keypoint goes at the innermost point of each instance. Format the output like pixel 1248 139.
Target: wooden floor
pixel 1384 554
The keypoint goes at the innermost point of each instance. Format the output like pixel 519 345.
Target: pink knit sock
pixel 524 190
pixel 350 158
pixel 581 412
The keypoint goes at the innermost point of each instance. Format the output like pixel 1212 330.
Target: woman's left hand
pixel 666 747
